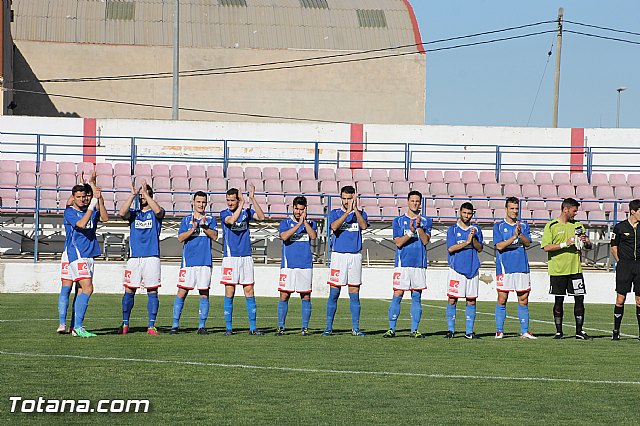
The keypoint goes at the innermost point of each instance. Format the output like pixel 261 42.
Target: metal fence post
pixel 589 153
pixel 498 162
pixel 316 159
pixel 406 161
pixel 37 212
pixel 225 157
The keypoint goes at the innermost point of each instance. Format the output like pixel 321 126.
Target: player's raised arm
pixel 422 232
pixel 183 236
pixel 205 225
pixel 102 209
pixel 124 209
pixel 230 220
pixel 362 222
pixel 256 205
pixel 153 204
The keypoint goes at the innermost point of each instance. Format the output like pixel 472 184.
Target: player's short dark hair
pixel 634 205
pixel 78 188
pixel 467 206
pixel 569 202
pixel 199 194
pixel 347 190
pixel 418 193
pixel 512 200
pixel 233 191
pixel 88 189
pixel 299 201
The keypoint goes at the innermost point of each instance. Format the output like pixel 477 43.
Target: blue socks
pixel 332 305
pixel 82 302
pixel 203 312
pixel 354 306
pixel 127 306
pixel 501 314
pixel 471 318
pixel 251 311
pixel 283 308
pixel 416 309
pixel 228 312
pixel 451 317
pixel 523 316
pixel 178 304
pixel 306 312
pixel 63 303
pixel 152 308
pixel 394 312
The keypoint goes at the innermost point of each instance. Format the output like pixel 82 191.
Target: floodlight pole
pixel 176 60
pixel 556 86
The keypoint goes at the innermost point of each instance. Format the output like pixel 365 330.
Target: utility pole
pixel 176 60
pixel 556 86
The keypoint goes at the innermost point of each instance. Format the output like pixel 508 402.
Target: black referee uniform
pixel 627 240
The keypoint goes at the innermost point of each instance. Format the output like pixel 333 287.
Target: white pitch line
pixel 327 371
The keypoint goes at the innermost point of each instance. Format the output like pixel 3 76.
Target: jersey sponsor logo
pixel 239 226
pixel 65 268
pixel 127 276
pixel 461 241
pixel 454 285
pixel 350 227
pixel 227 274
pixel 299 237
pixel 83 269
pixel 283 280
pixel 578 286
pixel 334 277
pixel 396 278
pixel 182 276
pixel 499 280
pixel 407 232
pixel 143 224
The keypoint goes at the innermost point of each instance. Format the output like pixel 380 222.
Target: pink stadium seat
pixel 633 180
pixel 309 186
pixel 360 175
pixel 198 171
pixel 497 205
pixel 493 190
pixel 470 176
pixel 9 179
pixel 69 168
pixel 484 216
pixel 104 169
pixel 530 190
pixel 122 182
pixel 273 185
pixel 581 216
pixel 218 198
pixel 215 172
pixel 561 178
pixel 258 184
pixel 270 173
pixel 636 192
pixel 306 174
pixel 389 212
pixel 487 177
pixel 160 170
pixel 442 202
pixel 566 191
pixel 543 178
pixel 598 179
pixel 438 189
pixel 49 195
pixel 48 167
pixel 435 176
pixel 49 181
pixel 555 207
pixel 105 181
pixel 507 178
pixel 277 211
pixel 314 200
pixel 447 215
pixel 142 169
pixel 366 201
pixel 452 176
pixel 26 205
pixel 261 199
pixel 475 190
pixel 400 188
pixel 163 198
pixel 343 174
pixel 536 205
pixel 7 200
pixel 198 184
pixel 548 191
pixel 604 192
pixel 383 188
pixel 579 179
pixel 237 183
pixel 26 166
pixel 66 181
pixel 512 190
pixel 138 181
pixel 288 173
pixel 396 175
pixel 326 174
pixel 83 168
pixel 623 192
pixel 617 179
pixel 329 187
pixel 589 206
pixel 365 187
pixel 216 207
pixel 217 185
pixel 27 180
pixel 182 207
pixel 422 187
pixel 49 205
pixel 291 186
pixel 122 169
pixel 540 217
pixel 180 184
pixel 183 197
pixel 10 166
pixel 121 196
pixel 386 201
pixel 416 176
pixel 161 183
pixel 276 199
pixel 584 192
pixel 457 189
pixel 525 178
pixel 254 173
pixel 379 175
pixel 597 217
pixel 233 172
pixel 431 212
pixel 315 211
pixel 481 204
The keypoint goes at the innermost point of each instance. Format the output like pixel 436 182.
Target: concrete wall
pixel 21 277
pixel 396 86
pixel 6 57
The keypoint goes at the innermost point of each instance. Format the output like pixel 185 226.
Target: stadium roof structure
pixel 248 24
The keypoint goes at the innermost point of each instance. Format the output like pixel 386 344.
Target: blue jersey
pixel 347 239
pixel 413 254
pixel 296 251
pixel 197 248
pixel 80 243
pixel 237 240
pixel 465 261
pixel 514 257
pixel 145 227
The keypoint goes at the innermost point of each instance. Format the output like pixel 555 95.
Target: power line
pixel 602 28
pixel 544 72
pixel 602 37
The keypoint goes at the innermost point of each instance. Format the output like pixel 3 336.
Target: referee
pixel 625 249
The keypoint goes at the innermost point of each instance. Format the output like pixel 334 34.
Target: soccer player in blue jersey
pixel 411 233
pixel 464 242
pixel 296 269
pixel 237 263
pixel 197 232
pixel 143 266
pixel 511 238
pixel 347 224
pixel 80 248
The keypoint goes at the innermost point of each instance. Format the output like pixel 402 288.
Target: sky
pixel 496 84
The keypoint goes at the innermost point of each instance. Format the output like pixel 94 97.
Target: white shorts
pixel 81 269
pixel 519 282
pixel 461 286
pixel 292 280
pixel 237 270
pixel 142 272
pixel 191 277
pixel 346 269
pixel 405 278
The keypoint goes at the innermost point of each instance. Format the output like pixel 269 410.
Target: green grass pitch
pixel 341 379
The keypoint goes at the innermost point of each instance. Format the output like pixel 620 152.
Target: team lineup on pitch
pixel 563 240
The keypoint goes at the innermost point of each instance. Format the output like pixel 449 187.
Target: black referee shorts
pixel 573 285
pixel 628 277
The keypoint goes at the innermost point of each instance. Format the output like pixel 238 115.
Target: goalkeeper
pixel 563 239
